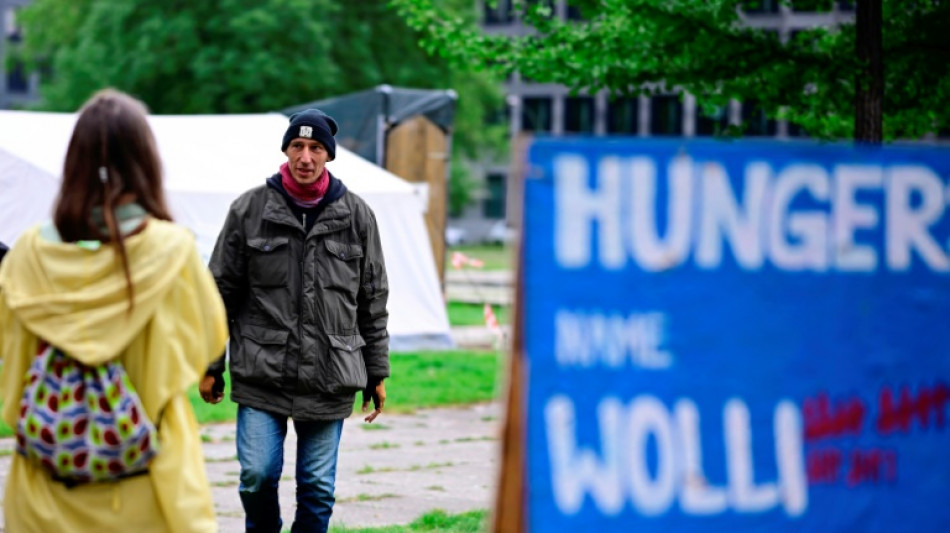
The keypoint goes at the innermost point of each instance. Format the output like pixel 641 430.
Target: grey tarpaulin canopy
pixel 365 117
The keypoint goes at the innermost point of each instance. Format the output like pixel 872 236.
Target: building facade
pixel 18 89
pixel 551 109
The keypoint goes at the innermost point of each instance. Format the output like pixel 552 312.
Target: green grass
pixel 206 413
pixel 363 497
pixel 468 314
pixel 495 256
pixel 441 378
pixel 420 379
pixel 440 521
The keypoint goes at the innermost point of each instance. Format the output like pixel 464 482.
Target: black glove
pixel 218 387
pixel 370 392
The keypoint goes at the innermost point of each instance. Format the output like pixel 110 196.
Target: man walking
pixel 300 267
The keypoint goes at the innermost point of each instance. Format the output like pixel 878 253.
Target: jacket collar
pixel 334 215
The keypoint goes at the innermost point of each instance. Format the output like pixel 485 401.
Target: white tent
pixel 208 161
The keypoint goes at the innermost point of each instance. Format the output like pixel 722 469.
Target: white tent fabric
pixel 208 161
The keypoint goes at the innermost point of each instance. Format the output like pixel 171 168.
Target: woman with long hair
pixel 111 278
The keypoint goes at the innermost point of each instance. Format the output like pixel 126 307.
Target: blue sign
pixel 736 336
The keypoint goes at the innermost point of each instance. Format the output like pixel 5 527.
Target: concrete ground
pixel 389 472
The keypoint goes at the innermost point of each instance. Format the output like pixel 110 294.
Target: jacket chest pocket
pixel 268 261
pixel 343 266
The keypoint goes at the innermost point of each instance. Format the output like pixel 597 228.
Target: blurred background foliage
pixel 252 56
pixel 702 46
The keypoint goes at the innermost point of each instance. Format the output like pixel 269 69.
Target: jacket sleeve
pixel 229 267
pixel 371 314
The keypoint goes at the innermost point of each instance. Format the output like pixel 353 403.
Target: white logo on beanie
pixel 306 131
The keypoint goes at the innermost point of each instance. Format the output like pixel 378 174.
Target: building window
pixel 711 122
pixel 493 206
pixel 794 130
pixel 666 115
pixel 812 5
pixel 536 114
pixel 498 115
pixel 502 13
pixel 17 81
pixel 754 121
pixel 760 6
pixel 574 13
pixel 579 114
pixel 623 116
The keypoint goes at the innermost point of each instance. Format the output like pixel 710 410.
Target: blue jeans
pixel 260 447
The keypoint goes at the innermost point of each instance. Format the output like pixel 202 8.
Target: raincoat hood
pixel 77 298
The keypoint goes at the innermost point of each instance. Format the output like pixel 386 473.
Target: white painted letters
pixel 576 471
pixel 850 216
pixel 579 208
pixel 799 219
pixel 650 251
pixel 907 227
pixel 808 228
pixel 592 339
pixel 723 219
pixel 616 469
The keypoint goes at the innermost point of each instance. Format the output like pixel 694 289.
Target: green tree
pixel 241 56
pixel 884 76
pixel 380 48
pixel 222 56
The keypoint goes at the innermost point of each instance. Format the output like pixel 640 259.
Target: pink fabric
pixel 304 195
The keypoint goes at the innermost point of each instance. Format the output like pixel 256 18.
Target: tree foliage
pixel 704 47
pixel 243 56
pixel 221 56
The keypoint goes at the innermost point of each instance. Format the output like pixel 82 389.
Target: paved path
pixel 389 472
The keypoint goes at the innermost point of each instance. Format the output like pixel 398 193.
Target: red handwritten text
pixel 822 420
pixel 927 406
pixel 871 466
pixel 824 466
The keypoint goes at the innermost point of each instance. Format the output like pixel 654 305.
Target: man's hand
pixel 379 399
pixel 208 391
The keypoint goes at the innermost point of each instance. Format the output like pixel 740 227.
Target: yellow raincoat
pixel 76 299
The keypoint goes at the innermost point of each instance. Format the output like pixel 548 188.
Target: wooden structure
pixel 417 150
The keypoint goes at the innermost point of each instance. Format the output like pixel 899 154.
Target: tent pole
pixel 3 53
pixel 382 123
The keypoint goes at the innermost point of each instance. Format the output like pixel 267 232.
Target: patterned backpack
pixel 83 423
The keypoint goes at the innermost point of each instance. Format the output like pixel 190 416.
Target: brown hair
pixel 111 133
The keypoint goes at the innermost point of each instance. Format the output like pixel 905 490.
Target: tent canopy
pixel 366 116
pixel 208 161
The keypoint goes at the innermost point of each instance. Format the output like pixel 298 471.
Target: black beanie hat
pixel 312 124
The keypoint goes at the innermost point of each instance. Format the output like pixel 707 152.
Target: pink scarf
pixel 304 195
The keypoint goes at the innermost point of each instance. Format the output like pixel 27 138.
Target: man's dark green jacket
pixel 306 309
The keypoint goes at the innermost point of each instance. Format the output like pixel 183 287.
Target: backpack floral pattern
pixel 83 423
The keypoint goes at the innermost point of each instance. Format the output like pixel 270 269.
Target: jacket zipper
pixel 300 318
